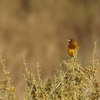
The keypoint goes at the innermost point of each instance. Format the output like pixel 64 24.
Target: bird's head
pixel 71 41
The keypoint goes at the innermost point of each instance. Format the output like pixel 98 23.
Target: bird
pixel 72 48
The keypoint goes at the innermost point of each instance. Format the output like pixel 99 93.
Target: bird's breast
pixel 71 46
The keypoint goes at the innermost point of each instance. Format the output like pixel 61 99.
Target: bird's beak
pixel 69 40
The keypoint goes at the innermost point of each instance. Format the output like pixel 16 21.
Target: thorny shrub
pixel 71 82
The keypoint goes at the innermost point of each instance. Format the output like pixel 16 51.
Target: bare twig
pixel 24 61
pixel 38 73
pixel 94 51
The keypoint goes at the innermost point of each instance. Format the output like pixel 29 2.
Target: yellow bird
pixel 72 48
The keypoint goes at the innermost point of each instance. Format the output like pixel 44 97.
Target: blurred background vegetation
pixel 40 30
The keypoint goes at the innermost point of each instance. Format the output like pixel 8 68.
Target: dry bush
pixel 71 82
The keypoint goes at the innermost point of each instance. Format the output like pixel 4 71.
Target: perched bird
pixel 72 48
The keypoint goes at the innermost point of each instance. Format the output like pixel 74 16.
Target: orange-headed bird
pixel 72 48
